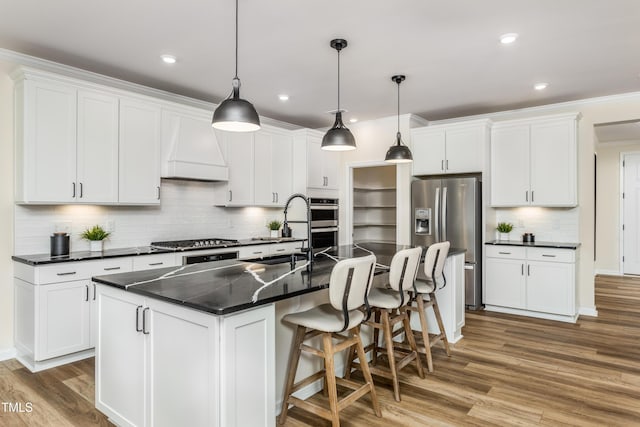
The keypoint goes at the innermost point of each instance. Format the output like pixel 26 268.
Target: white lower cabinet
pixel 534 281
pixel 161 364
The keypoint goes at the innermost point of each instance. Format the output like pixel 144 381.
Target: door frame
pixel 621 208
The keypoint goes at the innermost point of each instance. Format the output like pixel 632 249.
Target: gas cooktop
pixel 185 245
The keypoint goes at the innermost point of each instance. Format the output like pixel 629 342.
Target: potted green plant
pixel 504 228
pixel 274 226
pixel 95 235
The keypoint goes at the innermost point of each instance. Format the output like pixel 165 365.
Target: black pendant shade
pixel 339 137
pixel 398 153
pixel 234 113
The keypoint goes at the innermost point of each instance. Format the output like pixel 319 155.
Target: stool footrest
pixel 308 380
pixel 311 407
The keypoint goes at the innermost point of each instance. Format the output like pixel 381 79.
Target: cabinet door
pixel 64 324
pixel 315 158
pixel 46 149
pixel 505 283
pixel 465 150
pixel 553 163
pixel 282 168
pixel 263 170
pixel 238 148
pixel 248 379
pixel 551 287
pixel 428 152
pixel 121 363
pixel 330 162
pixel 139 152
pixel 97 147
pixel 510 166
pixel 183 363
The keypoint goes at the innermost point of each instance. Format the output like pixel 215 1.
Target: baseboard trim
pixel 540 315
pixel 608 272
pixel 588 311
pixel 6 354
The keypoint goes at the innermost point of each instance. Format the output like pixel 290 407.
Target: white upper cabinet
pixel 97 151
pixel 322 165
pixel 534 162
pixel 45 142
pixel 273 166
pixel 139 176
pixel 449 148
pixel 237 148
pixel 77 142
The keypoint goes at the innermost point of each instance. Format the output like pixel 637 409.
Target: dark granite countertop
pixel 40 259
pixel 228 286
pixel 558 245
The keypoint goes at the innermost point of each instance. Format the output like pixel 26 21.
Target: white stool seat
pixel 425 286
pixel 324 318
pixel 386 298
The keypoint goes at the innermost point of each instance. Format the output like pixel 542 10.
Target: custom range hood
pixel 190 149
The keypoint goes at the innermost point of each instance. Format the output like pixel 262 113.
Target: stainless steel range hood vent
pixel 190 148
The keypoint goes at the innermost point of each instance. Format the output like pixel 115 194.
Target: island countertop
pixel 229 286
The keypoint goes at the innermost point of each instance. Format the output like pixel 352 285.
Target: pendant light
pixel 398 153
pixel 339 137
pixel 234 113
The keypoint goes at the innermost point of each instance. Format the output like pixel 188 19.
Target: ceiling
pixel 449 51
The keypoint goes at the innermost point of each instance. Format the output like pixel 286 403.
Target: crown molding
pixel 43 67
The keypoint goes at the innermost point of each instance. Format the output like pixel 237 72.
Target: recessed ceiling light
pixel 168 59
pixel 283 97
pixel 508 38
pixel 353 120
pixel 540 86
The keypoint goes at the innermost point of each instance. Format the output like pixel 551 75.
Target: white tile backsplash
pixel 548 225
pixel 186 212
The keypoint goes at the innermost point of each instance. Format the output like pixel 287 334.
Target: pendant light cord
pixel 338 80
pixel 236 39
pixel 398 107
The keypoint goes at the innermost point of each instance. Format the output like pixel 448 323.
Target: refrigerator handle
pixel 436 220
pixel 444 214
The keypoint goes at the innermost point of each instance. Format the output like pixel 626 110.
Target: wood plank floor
pixel 508 370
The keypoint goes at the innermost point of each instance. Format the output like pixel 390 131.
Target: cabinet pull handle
pixel 257 253
pixel 158 192
pixel 549 256
pixel 504 253
pixel 526 196
pixel 69 273
pixel 81 190
pixel 94 291
pixel 111 268
pixel 74 190
pixel 441 164
pixel 447 163
pixel 522 269
pixel 528 270
pixel 156 263
pixel 86 295
pixel 531 196
pixel 138 329
pixel 230 195
pixel 280 250
pixel 276 197
pixel 144 321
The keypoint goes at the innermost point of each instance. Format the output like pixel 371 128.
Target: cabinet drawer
pixel 285 248
pixel 551 255
pixel 150 262
pixel 509 252
pixel 68 271
pixel 253 251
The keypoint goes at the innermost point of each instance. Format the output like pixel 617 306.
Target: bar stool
pixel 349 284
pixel 387 305
pixel 434 272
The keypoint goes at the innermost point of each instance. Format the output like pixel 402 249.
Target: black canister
pixel 59 244
pixel 528 238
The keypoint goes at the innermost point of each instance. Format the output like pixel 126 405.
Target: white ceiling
pixel 449 50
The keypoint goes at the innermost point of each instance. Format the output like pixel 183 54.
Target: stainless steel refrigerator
pixel 451 209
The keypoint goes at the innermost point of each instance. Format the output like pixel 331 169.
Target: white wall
pixel 608 205
pixel 548 225
pixel 6 213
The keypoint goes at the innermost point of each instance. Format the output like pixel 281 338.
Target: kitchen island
pixel 196 345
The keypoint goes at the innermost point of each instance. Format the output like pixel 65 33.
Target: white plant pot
pixel 504 236
pixel 97 245
pixel 274 234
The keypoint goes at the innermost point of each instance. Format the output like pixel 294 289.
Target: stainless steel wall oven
pixel 324 223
